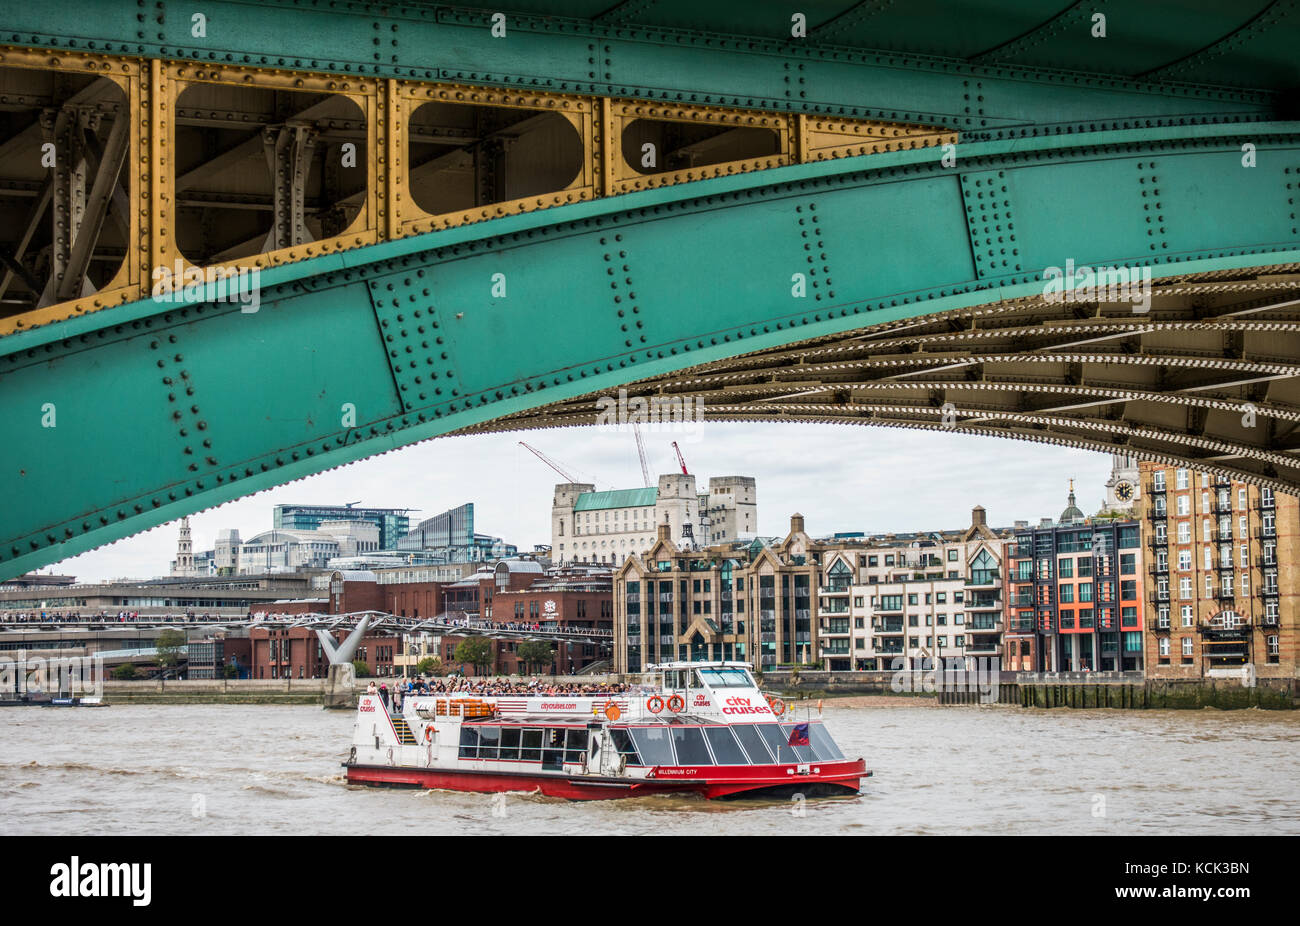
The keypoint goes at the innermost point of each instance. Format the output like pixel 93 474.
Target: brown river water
pixel 235 769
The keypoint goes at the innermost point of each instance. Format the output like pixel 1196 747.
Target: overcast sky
pixel 840 478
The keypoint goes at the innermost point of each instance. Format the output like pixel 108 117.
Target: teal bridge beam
pixel 131 416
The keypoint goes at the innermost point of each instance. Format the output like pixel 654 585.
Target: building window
pixel 1181 477
pixel 1187 646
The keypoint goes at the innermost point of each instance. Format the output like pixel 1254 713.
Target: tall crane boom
pixel 548 461
pixel 640 452
pixel 681 461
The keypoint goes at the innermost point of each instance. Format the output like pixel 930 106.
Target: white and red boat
pixel 699 727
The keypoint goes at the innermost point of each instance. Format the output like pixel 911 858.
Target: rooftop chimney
pixel 664 531
pixel 796 523
pixel 977 518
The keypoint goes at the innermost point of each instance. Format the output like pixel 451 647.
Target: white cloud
pixel 840 478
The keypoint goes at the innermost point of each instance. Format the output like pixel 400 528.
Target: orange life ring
pixel 611 710
pixel 655 704
pixel 676 703
pixel 428 734
pixel 777 705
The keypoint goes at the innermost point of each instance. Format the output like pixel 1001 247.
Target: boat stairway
pixel 404 734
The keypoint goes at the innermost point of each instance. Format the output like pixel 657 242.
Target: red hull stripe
pixel 700 780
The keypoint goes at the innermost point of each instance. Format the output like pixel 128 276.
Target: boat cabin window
pixel 553 748
pixel 653 745
pixel 725 678
pixel 576 746
pixel 623 743
pixel 489 741
pixel 822 743
pixel 753 743
pixel 778 743
pixel 531 745
pixel 510 737
pixel 725 748
pixel 691 750
pixel 468 742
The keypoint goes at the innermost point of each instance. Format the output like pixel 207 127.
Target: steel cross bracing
pixel 1207 376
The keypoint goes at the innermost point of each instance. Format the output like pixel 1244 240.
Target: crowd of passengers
pixel 490 687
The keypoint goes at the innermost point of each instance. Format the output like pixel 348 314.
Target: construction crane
pixel 680 460
pixel 548 461
pixel 640 452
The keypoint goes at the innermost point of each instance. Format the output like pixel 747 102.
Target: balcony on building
pixel 982 603
pixel 1156 543
pixel 1157 489
pixel 1224 594
pixel 983 578
pixel 1024 624
pixel 983 623
pixel 1239 628
pixel 1266 533
pixel 989 645
pixel 1158 513
pixel 1158 568
pixel 1159 625
pixel 1267 502
pixel 1269 591
pixel 1266 562
pixel 1222 506
pixel 1270 620
pixel 889 627
pixel 887 648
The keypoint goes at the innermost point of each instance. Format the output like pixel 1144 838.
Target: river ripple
pixel 236 769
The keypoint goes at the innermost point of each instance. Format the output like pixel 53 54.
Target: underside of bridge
pixel 248 244
pixel 1207 375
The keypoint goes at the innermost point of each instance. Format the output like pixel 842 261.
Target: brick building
pixel 1224 567
pixel 296 652
pixel 1076 590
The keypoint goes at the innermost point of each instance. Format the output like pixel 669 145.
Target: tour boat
pixel 695 727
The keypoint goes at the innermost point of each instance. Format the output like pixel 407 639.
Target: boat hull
pixel 830 778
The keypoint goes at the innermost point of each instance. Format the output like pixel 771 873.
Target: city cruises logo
pixel 977 674
pixel 76 878
pixel 667 414
pixel 188 285
pixel 1098 284
pixel 53 676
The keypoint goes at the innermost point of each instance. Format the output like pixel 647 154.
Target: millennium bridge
pixel 252 242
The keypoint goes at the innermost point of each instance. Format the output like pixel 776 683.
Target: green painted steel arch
pixel 159 410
